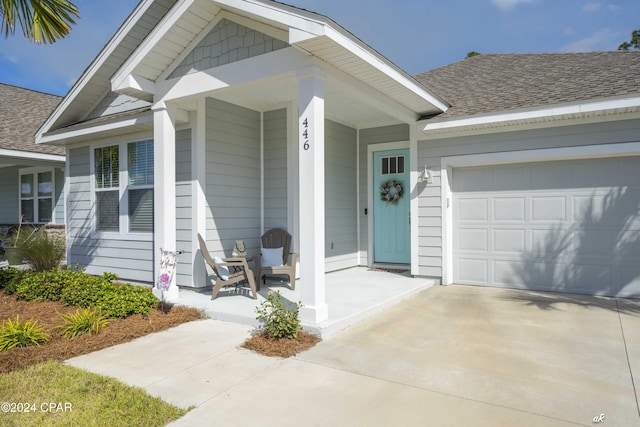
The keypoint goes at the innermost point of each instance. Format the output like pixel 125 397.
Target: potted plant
pixel 13 252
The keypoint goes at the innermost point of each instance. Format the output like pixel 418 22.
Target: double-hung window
pixel 140 197
pixel 36 196
pixel 124 187
pixel 107 173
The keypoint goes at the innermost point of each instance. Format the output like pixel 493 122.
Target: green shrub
pixel 9 279
pixel 84 290
pixel 41 251
pixel 125 300
pixel 78 289
pixel 42 285
pixel 81 322
pixel 109 276
pixel 17 334
pixel 279 320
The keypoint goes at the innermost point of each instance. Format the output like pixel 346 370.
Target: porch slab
pixel 352 295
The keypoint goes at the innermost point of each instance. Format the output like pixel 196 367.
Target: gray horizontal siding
pixel 341 222
pixel 275 169
pixel 114 103
pixel 232 177
pixel 9 195
pixel 431 152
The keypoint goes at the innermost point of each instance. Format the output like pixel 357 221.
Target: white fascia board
pixel 279 63
pixel 96 129
pixel 31 156
pixel 93 68
pixel 367 54
pixel 120 77
pixel 558 112
pixel 296 35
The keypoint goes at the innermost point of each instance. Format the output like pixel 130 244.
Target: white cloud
pixel 591 7
pixel 510 4
pixel 600 40
pixel 613 7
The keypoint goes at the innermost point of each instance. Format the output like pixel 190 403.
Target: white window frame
pixel 36 214
pixel 123 194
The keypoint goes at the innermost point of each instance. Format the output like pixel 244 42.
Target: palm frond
pixel 41 21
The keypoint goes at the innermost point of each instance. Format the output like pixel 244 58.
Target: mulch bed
pixel 58 348
pixel 284 347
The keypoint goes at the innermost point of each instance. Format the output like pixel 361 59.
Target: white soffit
pixel 352 58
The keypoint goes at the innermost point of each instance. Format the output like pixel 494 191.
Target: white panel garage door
pixel 567 226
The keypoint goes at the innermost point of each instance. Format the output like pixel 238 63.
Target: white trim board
pixel 31 155
pixel 556 112
pixel 447 164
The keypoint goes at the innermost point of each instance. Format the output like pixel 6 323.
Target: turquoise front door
pixel 391 195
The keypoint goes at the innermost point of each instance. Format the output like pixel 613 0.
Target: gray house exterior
pixel 537 157
pixel 228 118
pixel 31 176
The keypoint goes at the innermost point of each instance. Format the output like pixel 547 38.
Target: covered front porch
pixel 352 295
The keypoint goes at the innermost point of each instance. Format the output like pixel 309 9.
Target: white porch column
pixel 199 199
pixel 311 191
pixel 164 152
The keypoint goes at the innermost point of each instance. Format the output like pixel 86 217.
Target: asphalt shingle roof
pixel 22 112
pixel 492 83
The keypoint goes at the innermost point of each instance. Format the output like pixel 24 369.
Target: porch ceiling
pixel 343 104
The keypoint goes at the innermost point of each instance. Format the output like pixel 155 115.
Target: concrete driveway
pixel 451 355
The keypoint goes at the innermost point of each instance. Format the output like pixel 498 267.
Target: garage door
pixel 567 226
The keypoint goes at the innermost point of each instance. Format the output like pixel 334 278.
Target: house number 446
pixel 305 134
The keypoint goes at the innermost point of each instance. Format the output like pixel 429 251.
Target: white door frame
pixel 447 164
pixel 370 193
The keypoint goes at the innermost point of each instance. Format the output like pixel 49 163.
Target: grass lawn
pixel 53 394
pixel 34 379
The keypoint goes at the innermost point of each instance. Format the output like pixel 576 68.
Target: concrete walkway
pixel 449 356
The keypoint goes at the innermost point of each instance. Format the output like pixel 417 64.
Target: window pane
pixel 45 184
pixel 27 210
pixel 107 211
pixel 107 167
pixel 140 162
pixel 45 207
pixel 385 166
pixel 26 185
pixel 401 164
pixel 392 165
pixel 141 210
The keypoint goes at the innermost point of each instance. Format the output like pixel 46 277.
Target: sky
pixel 417 35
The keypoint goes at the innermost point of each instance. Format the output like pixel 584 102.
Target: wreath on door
pixel 391 191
